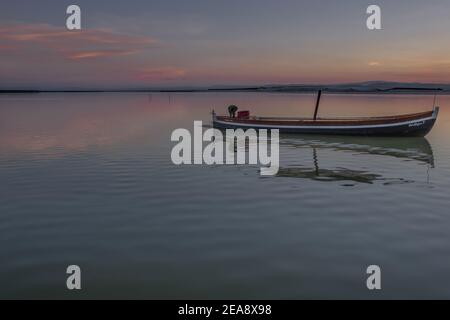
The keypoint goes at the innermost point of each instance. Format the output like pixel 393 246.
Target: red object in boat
pixel 243 114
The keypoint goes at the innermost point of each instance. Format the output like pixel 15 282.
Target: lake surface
pixel 87 179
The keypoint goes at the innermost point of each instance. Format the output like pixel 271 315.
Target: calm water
pixel 87 180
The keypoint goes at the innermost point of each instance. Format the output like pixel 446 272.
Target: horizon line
pixel 213 87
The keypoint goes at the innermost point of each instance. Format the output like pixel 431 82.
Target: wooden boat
pixel 408 125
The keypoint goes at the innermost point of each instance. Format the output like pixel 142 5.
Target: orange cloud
pixel 96 54
pixel 167 73
pixel 75 45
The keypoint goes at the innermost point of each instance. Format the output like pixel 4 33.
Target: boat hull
pixel 415 127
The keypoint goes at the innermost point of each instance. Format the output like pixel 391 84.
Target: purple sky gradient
pixel 127 44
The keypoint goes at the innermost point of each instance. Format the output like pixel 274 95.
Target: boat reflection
pixel 414 149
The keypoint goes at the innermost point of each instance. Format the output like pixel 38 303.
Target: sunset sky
pixel 127 44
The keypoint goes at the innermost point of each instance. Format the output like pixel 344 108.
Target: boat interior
pixel 372 120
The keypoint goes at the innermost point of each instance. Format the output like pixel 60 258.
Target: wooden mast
pixel 317 105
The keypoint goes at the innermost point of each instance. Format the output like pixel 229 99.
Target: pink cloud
pixel 39 55
pixel 4 47
pixel 167 73
pixel 75 45
pixel 97 54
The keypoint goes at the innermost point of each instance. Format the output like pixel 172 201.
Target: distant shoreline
pixel 371 87
pixel 408 91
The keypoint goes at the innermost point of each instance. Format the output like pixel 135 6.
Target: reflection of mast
pixel 316 161
pixel 418 149
pixel 415 149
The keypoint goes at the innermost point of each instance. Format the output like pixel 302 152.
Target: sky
pixel 173 43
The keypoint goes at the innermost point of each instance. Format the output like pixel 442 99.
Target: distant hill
pixel 364 87
pixel 360 87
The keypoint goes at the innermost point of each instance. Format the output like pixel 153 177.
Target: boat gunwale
pixel 329 121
